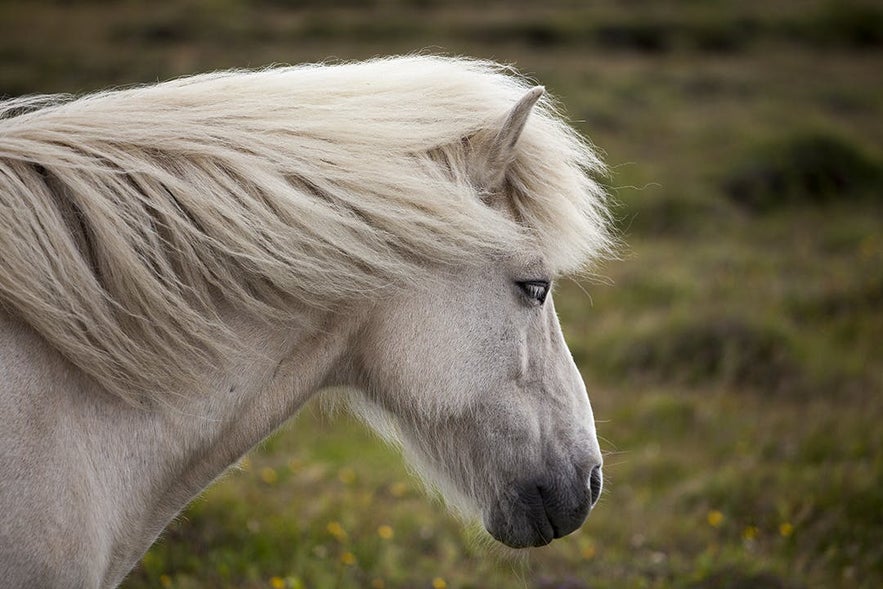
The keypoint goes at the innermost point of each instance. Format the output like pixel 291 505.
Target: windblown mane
pixel 127 216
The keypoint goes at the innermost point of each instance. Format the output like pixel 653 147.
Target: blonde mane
pixel 127 217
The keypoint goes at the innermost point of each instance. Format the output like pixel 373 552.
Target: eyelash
pixel 535 290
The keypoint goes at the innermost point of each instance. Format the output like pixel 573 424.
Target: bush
pixel 843 24
pixel 642 36
pixel 726 351
pixel 856 302
pixel 736 578
pixel 805 169
pixel 667 214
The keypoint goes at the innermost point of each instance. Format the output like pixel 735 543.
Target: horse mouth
pixel 536 515
pixel 520 540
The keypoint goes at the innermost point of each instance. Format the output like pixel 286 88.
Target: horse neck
pixel 244 403
pixel 251 393
pixel 143 466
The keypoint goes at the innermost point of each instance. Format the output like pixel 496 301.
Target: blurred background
pixel 733 354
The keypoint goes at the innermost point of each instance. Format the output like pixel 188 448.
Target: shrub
pixel 729 577
pixel 715 350
pixel 642 36
pixel 843 24
pixel 804 169
pixel 667 214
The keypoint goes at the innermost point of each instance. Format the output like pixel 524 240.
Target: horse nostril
pixel 595 481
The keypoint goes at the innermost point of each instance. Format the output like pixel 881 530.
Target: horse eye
pixel 535 290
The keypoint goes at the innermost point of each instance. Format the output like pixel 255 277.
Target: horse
pixel 185 264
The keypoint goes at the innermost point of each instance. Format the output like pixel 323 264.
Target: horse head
pixel 471 375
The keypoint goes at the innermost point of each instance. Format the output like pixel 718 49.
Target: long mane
pixel 127 217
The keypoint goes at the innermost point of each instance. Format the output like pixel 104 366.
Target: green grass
pixel 732 354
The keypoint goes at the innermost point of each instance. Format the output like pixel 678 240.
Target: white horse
pixel 184 265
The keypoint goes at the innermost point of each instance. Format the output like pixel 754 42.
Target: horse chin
pixel 535 514
pixel 518 534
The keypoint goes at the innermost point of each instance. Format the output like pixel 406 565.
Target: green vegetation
pixel 733 354
pixel 807 169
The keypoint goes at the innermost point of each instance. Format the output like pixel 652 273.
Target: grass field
pixel 734 354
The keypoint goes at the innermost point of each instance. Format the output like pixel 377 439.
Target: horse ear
pixel 501 153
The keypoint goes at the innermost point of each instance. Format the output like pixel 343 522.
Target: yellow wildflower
pixel 385 532
pixel 749 533
pixel 348 558
pixel 165 580
pixel 269 475
pixel 715 518
pixel 336 530
pixel 439 583
pixel 786 529
pixel 277 582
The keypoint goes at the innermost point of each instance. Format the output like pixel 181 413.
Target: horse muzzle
pixel 540 510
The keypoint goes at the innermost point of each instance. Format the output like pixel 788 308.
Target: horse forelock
pixel 126 215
